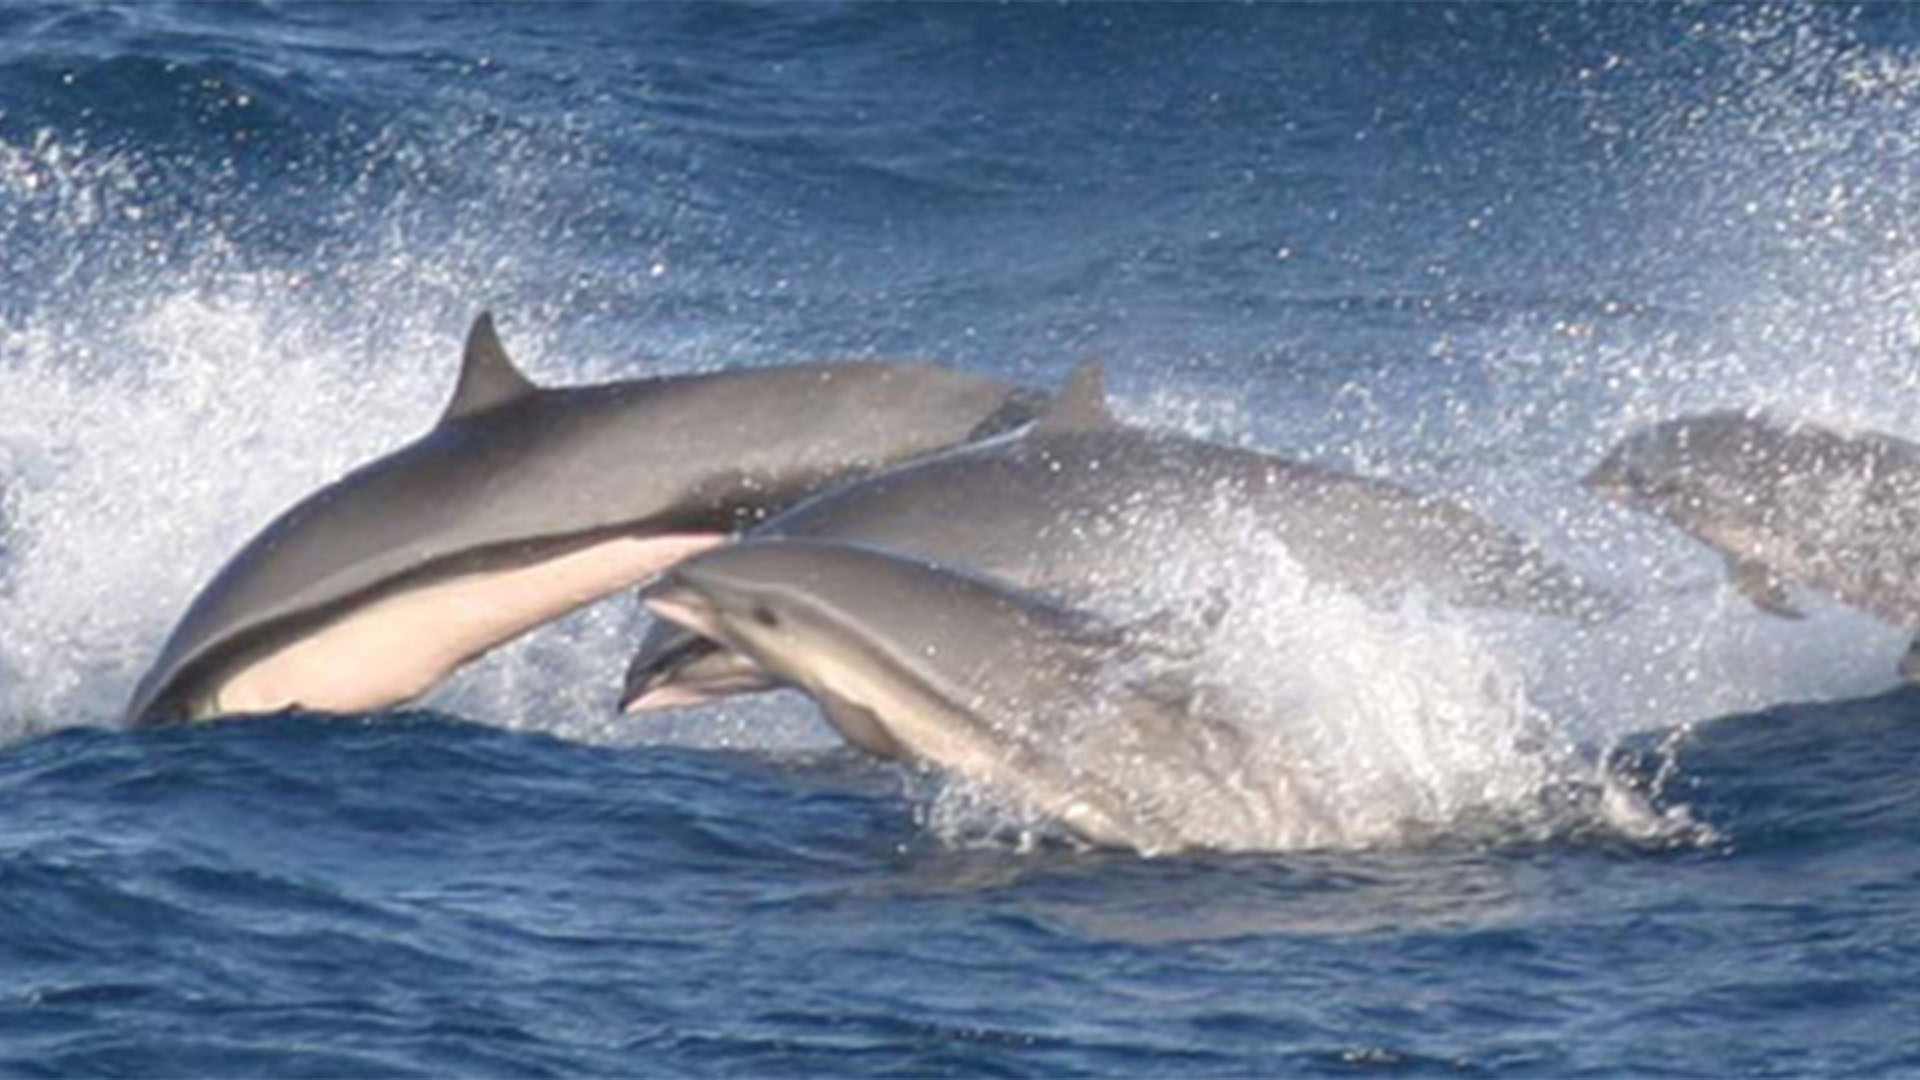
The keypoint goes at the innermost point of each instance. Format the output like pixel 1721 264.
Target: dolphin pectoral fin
pixel 861 727
pixel 1762 588
pixel 1171 691
pixel 1170 635
pixel 1179 721
pixel 1597 606
pixel 1910 662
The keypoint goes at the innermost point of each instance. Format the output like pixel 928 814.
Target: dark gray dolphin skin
pixel 524 502
pixel 1080 505
pixel 1023 697
pixel 1785 503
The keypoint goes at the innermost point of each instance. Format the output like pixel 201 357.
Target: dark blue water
pixel 305 897
pixel 1466 247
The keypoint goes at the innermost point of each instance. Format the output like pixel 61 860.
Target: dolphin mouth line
pixel 655 696
pixel 677 603
pixel 652 687
pixel 659 698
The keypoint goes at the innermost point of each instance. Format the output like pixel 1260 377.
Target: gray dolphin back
pixel 1079 512
pixel 1785 503
pixel 1001 687
pixel 514 472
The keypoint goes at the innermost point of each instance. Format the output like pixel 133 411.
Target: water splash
pixel 1349 723
pixel 1758 174
pixel 167 399
pixel 1744 235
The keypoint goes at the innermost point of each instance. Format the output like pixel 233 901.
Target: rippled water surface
pixel 1465 247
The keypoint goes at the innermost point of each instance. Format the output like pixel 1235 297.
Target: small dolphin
pixel 1080 505
pixel 523 503
pixel 1040 703
pixel 1785 503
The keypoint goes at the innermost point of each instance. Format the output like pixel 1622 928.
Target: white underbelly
pixel 400 646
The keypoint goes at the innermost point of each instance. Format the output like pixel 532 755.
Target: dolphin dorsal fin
pixel 1081 404
pixel 488 378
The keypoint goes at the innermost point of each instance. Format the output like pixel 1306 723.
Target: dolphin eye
pixel 764 615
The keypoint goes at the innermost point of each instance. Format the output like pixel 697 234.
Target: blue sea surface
pixel 1465 247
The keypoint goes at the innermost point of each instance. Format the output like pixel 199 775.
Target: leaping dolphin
pixel 1040 703
pixel 524 502
pixel 1785 503
pixel 1080 505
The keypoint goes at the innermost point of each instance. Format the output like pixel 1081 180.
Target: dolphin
pixel 524 502
pixel 1045 705
pixel 1080 505
pixel 1785 503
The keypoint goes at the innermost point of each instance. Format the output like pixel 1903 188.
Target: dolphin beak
pixel 641 690
pixel 648 677
pixel 673 599
pixel 650 695
pixel 696 671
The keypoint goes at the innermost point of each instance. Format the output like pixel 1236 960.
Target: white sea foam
pixel 153 423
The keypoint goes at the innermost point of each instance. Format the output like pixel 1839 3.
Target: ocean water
pixel 1466 247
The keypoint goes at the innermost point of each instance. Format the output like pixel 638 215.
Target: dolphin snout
pixel 677 599
pixel 673 670
pixel 638 690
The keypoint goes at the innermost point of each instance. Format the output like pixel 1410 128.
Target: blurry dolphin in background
pixel 1785 503
pixel 1035 702
pixel 1080 505
pixel 525 502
